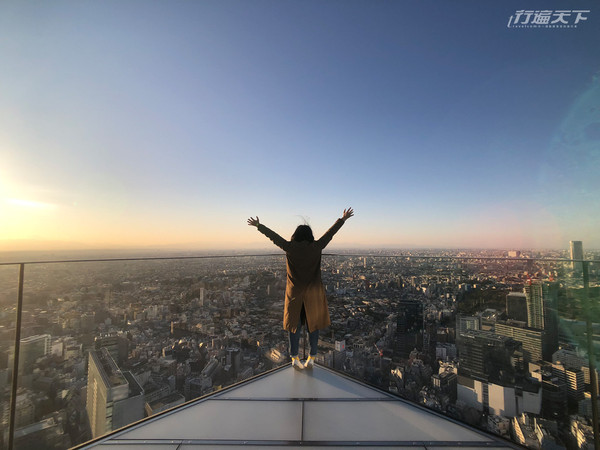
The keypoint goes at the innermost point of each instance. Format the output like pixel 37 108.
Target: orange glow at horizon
pixel 40 225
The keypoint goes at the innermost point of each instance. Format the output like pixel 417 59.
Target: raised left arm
pixel 326 238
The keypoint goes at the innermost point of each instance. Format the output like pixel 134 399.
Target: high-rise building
pixel 572 360
pixel 576 248
pixel 542 312
pixel 116 344
pixel 409 329
pixel 535 305
pixel 114 398
pixel 505 399
pixel 32 348
pixel 573 379
pixel 554 390
pixel 531 339
pixel 516 306
pixel 486 355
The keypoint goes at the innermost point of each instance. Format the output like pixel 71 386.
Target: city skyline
pixel 476 340
pixel 166 125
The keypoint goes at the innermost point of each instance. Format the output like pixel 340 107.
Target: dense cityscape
pixel 494 339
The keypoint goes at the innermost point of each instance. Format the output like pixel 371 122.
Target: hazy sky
pixel 151 123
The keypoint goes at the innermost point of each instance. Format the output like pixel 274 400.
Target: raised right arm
pixel 277 240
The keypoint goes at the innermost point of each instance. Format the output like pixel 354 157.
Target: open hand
pixel 347 214
pixel 253 222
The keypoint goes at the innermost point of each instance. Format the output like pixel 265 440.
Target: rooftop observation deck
pixel 288 408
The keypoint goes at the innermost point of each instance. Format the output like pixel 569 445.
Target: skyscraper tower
pixel 576 253
pixel 409 327
pixel 542 312
pixel 114 398
pixel 535 305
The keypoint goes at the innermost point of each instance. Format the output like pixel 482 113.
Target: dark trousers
pixel 313 337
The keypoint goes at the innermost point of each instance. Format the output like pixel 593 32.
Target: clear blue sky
pixel 170 122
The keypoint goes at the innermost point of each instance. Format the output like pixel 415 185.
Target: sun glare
pixel 30 204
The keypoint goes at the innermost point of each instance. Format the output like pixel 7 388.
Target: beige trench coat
pixel 304 285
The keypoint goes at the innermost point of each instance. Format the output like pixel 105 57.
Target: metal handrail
pixel 141 258
pixel 255 255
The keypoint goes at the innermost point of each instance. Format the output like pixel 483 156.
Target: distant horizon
pixel 258 242
pixel 28 247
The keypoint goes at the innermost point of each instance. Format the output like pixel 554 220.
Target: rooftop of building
pixel 37 337
pixel 290 408
pixel 173 397
pixel 134 387
pixel 110 372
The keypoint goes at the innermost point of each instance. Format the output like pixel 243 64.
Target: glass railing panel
pixel 499 343
pixel 105 344
pixel 474 335
pixel 9 277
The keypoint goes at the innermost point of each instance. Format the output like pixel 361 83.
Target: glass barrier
pixel 9 276
pixel 498 343
pixel 105 344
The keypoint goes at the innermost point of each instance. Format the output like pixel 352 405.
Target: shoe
pixel 296 364
pixel 310 362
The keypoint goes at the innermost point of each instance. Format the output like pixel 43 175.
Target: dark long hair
pixel 303 233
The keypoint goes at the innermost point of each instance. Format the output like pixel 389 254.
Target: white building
pixel 505 401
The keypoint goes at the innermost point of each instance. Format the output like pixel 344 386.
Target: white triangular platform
pixel 290 408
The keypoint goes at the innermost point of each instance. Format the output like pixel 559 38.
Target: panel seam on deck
pixel 307 399
pixel 302 422
pixel 329 443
